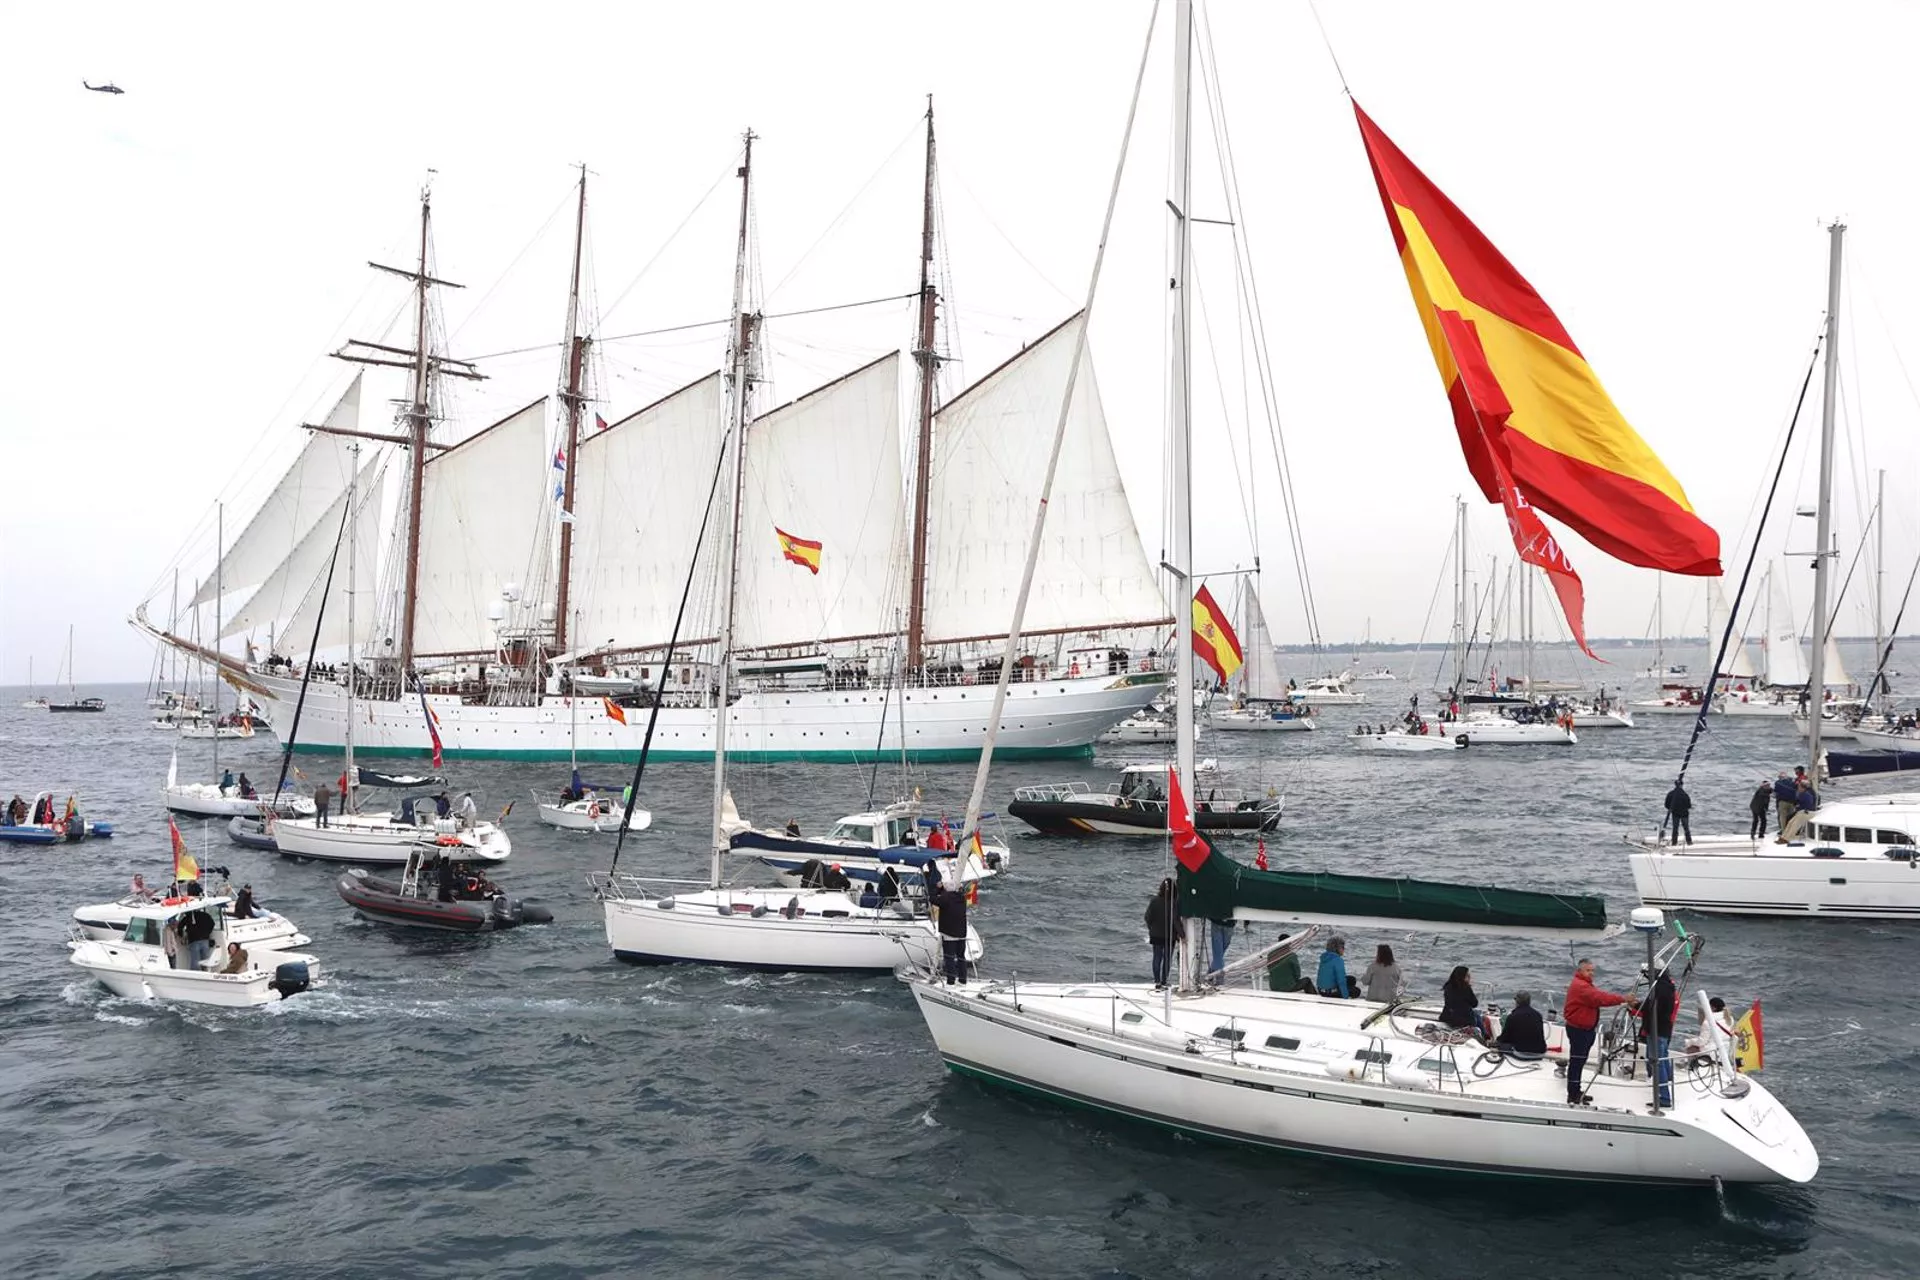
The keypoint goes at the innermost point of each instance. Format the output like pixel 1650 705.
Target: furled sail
pixel 640 490
pixel 483 507
pixel 1739 660
pixel 989 457
pixel 1259 674
pixel 823 469
pixel 305 493
pixel 1786 661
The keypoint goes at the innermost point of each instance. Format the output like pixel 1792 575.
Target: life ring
pixel 172 902
pixel 447 841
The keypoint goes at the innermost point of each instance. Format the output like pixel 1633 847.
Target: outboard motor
pixel 290 978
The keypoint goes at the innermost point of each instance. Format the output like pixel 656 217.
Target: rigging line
pixel 702 324
pixel 1879 680
pixel 1326 40
pixel 1859 550
pixel 1236 211
pixel 1746 572
pixel 539 234
pixel 1242 483
pixel 660 689
pixel 912 133
pixel 727 171
pixel 306 676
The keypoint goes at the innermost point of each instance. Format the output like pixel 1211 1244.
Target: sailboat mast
pixel 1879 580
pixel 574 399
pixel 170 654
pixel 1460 588
pixel 923 449
pixel 1823 520
pixel 417 422
pixel 353 541
pixel 739 380
pixel 220 552
pixel 1181 427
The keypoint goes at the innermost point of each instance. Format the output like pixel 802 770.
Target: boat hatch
pixel 1288 1043
pixel 1236 1034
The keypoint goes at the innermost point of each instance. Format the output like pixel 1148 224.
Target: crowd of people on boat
pixel 41 813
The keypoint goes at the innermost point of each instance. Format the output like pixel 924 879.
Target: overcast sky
pixel 181 258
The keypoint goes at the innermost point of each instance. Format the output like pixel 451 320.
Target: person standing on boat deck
pixel 1581 1013
pixel 1222 931
pixel 1679 809
pixel 1283 971
pixel 1758 808
pixel 1163 927
pixel 1656 1028
pixel 1783 790
pixel 322 801
pixel 1383 980
pixel 469 814
pixel 1331 980
pixel 442 806
pixel 199 930
pixel 1523 1033
pixel 171 942
pixel 226 781
pixel 950 913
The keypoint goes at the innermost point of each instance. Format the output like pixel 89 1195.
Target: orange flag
pixel 1188 846
pixel 615 711
pixel 185 865
pixel 1539 432
pixel 799 550
pixel 1213 639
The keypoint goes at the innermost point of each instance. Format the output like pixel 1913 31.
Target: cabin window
pixel 1133 1017
pixel 1895 837
pixel 1859 835
pixel 1826 833
pixel 1288 1043
pixel 1236 1034
pixel 1377 1056
pixel 142 930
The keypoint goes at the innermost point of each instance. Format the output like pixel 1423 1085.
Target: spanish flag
pixel 1213 639
pixel 185 867
pixel 1749 1041
pixel 799 550
pixel 615 711
pixel 1538 430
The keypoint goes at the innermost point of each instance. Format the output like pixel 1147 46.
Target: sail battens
pixel 990 451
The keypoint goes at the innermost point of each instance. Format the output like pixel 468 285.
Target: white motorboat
pixel 1613 715
pixel 591 812
pixel 1357 1080
pixel 1329 691
pixel 105 921
pixel 1259 717
pixel 1400 740
pixel 1378 673
pixel 1143 727
pixel 381 839
pixel 136 964
pixel 1857 858
pixel 1484 729
pixel 862 846
pixel 780 929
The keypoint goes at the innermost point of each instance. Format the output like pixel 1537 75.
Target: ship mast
pixel 740 379
pixel 573 398
pixel 1823 521
pixel 929 363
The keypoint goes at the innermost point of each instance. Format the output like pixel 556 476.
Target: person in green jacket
pixel 1283 971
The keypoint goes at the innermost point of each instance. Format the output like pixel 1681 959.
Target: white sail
pixel 1832 670
pixel 310 487
pixel 297 634
pixel 1786 661
pixel 989 455
pixel 640 490
pixel 1739 660
pixel 826 469
pixel 484 505
pixel 1259 674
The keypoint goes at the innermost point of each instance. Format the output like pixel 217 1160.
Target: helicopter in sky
pixel 108 87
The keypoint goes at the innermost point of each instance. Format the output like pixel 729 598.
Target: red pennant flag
pixel 614 710
pixel 1187 844
pixel 433 728
pixel 599 423
pixel 1260 856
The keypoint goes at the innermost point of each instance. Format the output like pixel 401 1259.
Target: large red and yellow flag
pixel 185 865
pixel 799 550
pixel 1539 431
pixel 1213 639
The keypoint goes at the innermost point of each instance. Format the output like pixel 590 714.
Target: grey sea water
pixel 523 1105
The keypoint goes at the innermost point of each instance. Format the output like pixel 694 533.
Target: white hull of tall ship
pixel 592 815
pixel 1498 731
pixel 205 800
pixel 760 929
pixel 1857 859
pixel 1400 742
pixel 1043 718
pixel 1256 720
pixel 1301 1074
pixel 375 839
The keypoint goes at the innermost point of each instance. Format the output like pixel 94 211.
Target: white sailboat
pixel 1261 701
pixel 34 702
pixel 652 921
pixel 1349 1078
pixel 1784 677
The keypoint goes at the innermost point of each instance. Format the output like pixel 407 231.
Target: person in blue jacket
pixel 1332 978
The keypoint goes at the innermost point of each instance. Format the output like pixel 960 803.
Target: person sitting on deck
pixel 246 789
pixel 1460 1007
pixel 1331 981
pixel 236 959
pixel 1523 1033
pixel 226 781
pixel 793 828
pixel 243 904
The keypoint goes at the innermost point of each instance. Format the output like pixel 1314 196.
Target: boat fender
pixel 1463 739
pixel 1408 1077
pixel 1827 853
pixel 759 910
pixel 1344 1069
pixel 290 978
pixel 665 904
pixel 725 909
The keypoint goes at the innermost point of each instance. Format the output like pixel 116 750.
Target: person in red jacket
pixel 1581 1012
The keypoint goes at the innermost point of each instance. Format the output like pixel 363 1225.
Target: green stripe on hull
pixel 944 756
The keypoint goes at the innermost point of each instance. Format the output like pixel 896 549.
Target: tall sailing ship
pixel 531 568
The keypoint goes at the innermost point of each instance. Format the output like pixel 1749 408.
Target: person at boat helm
pixel 1581 1013
pixel 1523 1033
pixel 236 959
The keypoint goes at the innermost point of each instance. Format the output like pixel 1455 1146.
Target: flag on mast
pixel 614 712
pixel 185 867
pixel 799 550
pixel 433 727
pixel 1539 432
pixel 1213 639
